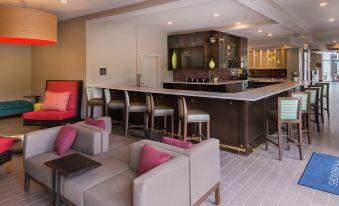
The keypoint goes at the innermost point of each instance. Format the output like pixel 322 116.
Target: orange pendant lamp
pixel 27 26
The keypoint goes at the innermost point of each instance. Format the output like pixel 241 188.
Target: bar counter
pixel 237 119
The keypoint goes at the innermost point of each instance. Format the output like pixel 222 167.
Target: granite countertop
pixel 248 95
pixel 207 83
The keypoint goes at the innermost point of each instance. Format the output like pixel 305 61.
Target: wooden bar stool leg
pixel 146 120
pixel 172 126
pixel 126 123
pixel 322 111
pixel 179 129
pixel 289 134
pixel 92 111
pixel 317 118
pixel 267 128
pixel 328 106
pixel 217 195
pixel 152 122
pixel 185 131
pixel 208 129
pixel 279 141
pixel 165 124
pixel 300 137
pixel 308 122
pixel 200 133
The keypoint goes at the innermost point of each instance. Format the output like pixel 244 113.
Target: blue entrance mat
pixel 322 173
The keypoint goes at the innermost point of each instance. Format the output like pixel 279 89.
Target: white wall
pixel 119 46
pixel 15 71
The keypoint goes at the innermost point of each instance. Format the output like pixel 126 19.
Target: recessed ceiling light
pixel 323 4
pixel 238 23
pixel 334 41
pixel 216 15
pixel 64 1
pixel 259 31
pixel 330 19
pixel 169 22
pixel 269 34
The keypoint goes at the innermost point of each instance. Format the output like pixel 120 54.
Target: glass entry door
pixel 330 66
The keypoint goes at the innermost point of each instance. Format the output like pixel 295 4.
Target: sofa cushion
pixel 35 166
pixel 121 153
pixel 116 191
pixel 56 101
pixel 95 122
pixel 151 158
pixel 5 144
pixel 177 143
pixel 73 188
pixel 49 115
pixel 65 139
pixel 65 86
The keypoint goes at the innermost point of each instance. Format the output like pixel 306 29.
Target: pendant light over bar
pixel 27 26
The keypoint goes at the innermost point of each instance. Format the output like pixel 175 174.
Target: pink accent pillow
pixel 65 139
pixel 56 101
pixel 151 158
pixel 96 122
pixel 5 144
pixel 177 143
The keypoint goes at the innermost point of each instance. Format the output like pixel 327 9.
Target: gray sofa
pixel 204 160
pixel 115 182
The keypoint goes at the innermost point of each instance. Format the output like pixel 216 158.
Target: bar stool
pixel 112 104
pixel 289 112
pixel 314 105
pixel 326 96
pixel 306 111
pixel 191 116
pixel 92 102
pixel 134 107
pixel 157 111
pixel 320 100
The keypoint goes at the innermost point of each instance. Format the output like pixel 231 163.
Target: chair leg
pixel 185 131
pixel 179 129
pixel 172 126
pixel 300 137
pixel 92 111
pixel 27 183
pixel 200 131
pixel 146 121
pixel 165 124
pixel 322 111
pixel 217 195
pixel 208 129
pixel 289 134
pixel 267 129
pixel 308 122
pixel 328 106
pixel 126 123
pixel 279 141
pixel 317 118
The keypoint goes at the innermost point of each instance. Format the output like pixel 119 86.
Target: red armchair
pixel 56 118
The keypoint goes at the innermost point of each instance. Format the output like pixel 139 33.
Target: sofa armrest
pixel 204 167
pixel 108 124
pixel 87 141
pixel 104 135
pixel 165 185
pixel 40 141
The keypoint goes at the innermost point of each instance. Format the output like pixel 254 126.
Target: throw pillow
pixel 65 139
pixel 56 101
pixel 96 122
pixel 5 144
pixel 151 158
pixel 177 143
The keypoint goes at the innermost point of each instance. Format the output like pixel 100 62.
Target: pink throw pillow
pixel 151 158
pixel 177 143
pixel 96 122
pixel 5 144
pixel 65 139
pixel 56 101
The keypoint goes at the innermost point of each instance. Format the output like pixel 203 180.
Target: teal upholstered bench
pixel 15 107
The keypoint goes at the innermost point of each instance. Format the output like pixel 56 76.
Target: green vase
pixel 211 64
pixel 174 60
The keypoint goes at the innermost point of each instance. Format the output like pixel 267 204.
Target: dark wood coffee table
pixel 68 166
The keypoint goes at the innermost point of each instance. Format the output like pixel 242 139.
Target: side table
pixel 68 166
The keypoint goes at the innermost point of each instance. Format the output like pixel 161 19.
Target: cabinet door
pixel 191 40
pixel 199 39
pixel 250 60
pixel 172 42
pixel 182 41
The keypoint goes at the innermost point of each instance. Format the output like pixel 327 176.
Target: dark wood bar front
pixel 236 121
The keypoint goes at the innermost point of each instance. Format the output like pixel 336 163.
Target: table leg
pixel 53 186
pixel 57 181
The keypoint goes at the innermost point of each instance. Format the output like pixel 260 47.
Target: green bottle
pixel 174 60
pixel 211 64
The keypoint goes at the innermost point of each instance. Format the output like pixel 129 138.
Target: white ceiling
pixel 74 8
pixel 282 18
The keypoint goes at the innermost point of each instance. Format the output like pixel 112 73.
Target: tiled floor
pixel 257 180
